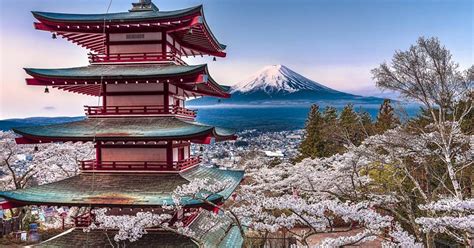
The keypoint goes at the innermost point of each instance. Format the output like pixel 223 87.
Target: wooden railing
pixel 136 57
pixel 84 220
pixel 139 110
pixel 139 165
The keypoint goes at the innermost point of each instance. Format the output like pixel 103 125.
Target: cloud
pixel 49 108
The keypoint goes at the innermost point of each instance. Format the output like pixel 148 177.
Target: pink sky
pixel 335 48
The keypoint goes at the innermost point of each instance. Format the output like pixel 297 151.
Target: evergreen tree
pixel 368 127
pixel 386 118
pixel 312 142
pixel 349 125
pixel 330 129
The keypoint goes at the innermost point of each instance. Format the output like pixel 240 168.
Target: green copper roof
pixel 117 71
pixel 123 17
pixel 109 189
pixel 219 230
pixel 76 237
pixel 113 129
pixel 120 17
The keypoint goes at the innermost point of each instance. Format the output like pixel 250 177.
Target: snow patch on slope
pixel 278 79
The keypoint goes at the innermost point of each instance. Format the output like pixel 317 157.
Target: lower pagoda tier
pixel 223 235
pixel 124 129
pixel 129 190
pixel 100 238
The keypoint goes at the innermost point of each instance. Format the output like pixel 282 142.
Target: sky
pixel 333 42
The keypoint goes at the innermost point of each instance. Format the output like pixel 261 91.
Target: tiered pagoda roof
pixel 87 79
pixel 123 190
pixel 142 132
pixel 225 235
pixel 101 238
pixel 87 30
pixel 124 129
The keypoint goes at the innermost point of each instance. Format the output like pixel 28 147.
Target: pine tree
pixel 312 142
pixel 329 138
pixel 349 125
pixel 386 118
pixel 368 127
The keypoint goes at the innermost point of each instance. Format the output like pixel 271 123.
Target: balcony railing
pixel 83 220
pixel 139 110
pixel 136 57
pixel 139 165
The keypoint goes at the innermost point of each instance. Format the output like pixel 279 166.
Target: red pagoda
pixel 142 130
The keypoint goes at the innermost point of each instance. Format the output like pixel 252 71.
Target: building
pixel 142 130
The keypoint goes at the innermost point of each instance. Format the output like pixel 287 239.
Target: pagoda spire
pixel 144 5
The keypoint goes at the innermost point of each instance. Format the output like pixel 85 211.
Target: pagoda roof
pixel 82 28
pixel 151 15
pixel 117 71
pixel 125 129
pixel 223 234
pixel 123 190
pixel 75 237
pixel 87 79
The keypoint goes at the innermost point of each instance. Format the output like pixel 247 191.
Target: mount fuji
pixel 279 85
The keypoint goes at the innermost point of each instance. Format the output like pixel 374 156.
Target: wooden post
pixel 166 96
pixel 98 155
pixel 104 96
pixel 169 154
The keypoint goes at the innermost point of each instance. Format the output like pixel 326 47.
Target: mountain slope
pixel 277 79
pixel 277 85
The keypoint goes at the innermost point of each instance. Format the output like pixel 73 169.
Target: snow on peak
pixel 277 78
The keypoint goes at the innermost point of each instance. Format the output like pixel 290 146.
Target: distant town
pixel 281 145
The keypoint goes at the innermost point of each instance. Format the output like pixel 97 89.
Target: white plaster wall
pixel 133 154
pixel 133 87
pixel 135 100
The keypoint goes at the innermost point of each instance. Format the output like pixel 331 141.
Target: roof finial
pixel 143 5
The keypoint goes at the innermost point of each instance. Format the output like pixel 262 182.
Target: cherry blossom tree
pixel 316 193
pixel 26 165
pixel 430 159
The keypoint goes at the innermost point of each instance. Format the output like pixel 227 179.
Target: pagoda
pixel 141 130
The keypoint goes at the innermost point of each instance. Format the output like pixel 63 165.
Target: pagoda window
pixel 134 154
pixel 134 87
pixel 120 43
pixel 135 48
pixel 134 95
pixel 180 153
pixel 155 36
pixel 135 100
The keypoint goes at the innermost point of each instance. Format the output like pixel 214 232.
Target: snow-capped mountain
pixel 279 85
pixel 277 79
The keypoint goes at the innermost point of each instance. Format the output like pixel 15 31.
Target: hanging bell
pixel 46 90
pixel 54 36
pixel 214 59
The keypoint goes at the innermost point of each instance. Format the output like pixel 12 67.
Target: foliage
pixel 28 165
pixel 330 132
pixel 386 118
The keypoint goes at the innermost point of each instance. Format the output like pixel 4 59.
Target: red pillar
pixel 169 154
pixel 104 95
pixel 166 100
pixel 98 154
